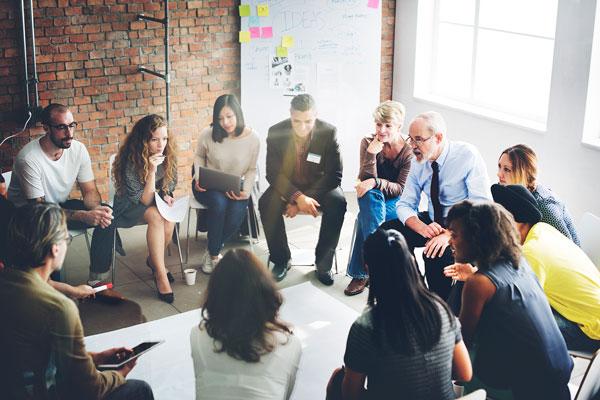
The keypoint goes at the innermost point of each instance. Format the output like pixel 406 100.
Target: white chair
pixel 111 191
pixel 476 395
pixel 589 235
pixel 590 383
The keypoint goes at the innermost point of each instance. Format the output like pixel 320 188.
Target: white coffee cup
pixel 190 276
pixel 459 390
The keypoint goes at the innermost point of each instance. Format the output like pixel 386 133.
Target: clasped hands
pixel 438 239
pixel 304 205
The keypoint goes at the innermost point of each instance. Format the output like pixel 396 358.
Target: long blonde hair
pixel 135 151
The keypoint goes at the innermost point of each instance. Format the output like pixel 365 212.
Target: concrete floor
pixel 134 278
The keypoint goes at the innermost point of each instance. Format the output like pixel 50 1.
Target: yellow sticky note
pixel 244 10
pixel 287 41
pixel 282 51
pixel 244 36
pixel 262 10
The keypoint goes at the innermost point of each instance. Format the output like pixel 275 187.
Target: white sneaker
pixel 209 264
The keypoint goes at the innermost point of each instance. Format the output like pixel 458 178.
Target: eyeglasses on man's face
pixel 417 141
pixel 68 239
pixel 64 127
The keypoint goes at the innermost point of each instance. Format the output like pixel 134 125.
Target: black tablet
pixel 117 362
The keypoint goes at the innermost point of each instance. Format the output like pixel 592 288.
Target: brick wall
pixel 88 52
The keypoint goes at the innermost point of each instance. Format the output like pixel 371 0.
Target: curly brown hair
pixel 241 307
pixel 134 150
pixel 489 231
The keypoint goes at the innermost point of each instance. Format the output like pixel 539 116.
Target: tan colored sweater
pixel 39 322
pixel 392 173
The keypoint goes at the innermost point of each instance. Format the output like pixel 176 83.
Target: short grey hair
pixel 303 102
pixel 434 120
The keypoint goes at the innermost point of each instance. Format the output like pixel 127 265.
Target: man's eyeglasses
pixel 417 141
pixel 64 127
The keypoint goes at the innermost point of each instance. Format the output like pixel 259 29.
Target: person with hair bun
pixel 384 164
pixel 518 166
pixel 241 349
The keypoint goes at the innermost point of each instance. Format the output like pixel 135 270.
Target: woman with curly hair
pixel 505 316
pixel 146 164
pixel 241 349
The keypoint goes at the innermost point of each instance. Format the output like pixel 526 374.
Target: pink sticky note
pixel 373 4
pixel 254 32
pixel 266 32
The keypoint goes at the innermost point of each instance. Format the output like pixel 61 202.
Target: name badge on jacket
pixel 313 158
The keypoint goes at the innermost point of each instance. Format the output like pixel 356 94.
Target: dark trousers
pixel 434 267
pixel 333 207
pixel 132 389
pixel 102 238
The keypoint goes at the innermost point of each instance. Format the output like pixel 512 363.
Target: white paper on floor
pixel 320 321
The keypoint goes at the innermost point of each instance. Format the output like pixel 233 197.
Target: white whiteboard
pixel 336 55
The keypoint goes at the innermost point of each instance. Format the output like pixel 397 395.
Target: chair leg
pixel 187 240
pixel 249 229
pixel 336 261
pixel 352 242
pixel 179 250
pixel 114 259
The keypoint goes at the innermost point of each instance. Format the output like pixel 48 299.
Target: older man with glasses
pixel 447 172
pixel 46 169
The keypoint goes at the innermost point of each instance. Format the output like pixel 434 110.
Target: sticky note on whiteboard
pixel 255 32
pixel 253 20
pixel 244 10
pixel 282 51
pixel 244 36
pixel 266 32
pixel 262 10
pixel 287 41
pixel 373 4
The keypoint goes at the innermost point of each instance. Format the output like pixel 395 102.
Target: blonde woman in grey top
pixel 226 145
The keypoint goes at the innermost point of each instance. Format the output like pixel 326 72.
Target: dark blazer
pixel 281 160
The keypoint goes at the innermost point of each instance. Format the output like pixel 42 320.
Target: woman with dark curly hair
pixel 505 315
pixel 241 349
pixel 146 164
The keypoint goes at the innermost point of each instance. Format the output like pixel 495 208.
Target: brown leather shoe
pixel 356 286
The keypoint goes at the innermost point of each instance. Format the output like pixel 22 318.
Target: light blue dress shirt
pixel 463 175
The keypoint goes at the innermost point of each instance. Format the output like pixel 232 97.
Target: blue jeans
pixel 374 211
pixel 574 336
pixel 224 217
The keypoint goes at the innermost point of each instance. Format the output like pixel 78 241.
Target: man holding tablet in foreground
pixel 41 336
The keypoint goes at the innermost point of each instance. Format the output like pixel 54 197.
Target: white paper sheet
pixel 176 212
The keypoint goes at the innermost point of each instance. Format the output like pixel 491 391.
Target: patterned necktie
pixel 435 193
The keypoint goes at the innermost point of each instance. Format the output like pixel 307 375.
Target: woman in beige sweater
pixel 226 145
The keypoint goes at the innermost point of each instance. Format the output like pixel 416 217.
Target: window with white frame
pixel 489 57
pixel 591 127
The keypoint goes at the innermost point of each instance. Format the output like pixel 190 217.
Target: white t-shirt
pixel 35 175
pixel 221 377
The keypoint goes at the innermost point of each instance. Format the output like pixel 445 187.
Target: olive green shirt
pixel 39 324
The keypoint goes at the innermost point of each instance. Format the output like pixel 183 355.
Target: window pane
pixel 457 11
pixel 453 65
pixel 534 17
pixel 513 73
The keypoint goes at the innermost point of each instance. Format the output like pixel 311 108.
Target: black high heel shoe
pixel 169 275
pixel 166 297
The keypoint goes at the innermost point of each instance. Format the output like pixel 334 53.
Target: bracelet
pixel 377 183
